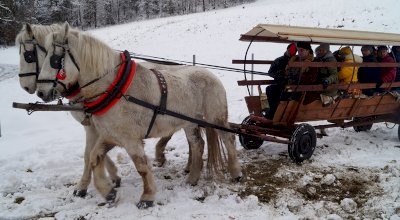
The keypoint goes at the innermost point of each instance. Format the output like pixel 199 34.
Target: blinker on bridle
pixel 57 62
pixel 31 56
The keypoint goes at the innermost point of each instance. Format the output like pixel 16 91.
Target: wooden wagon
pixel 288 123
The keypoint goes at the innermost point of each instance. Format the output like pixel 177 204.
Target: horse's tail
pixel 216 155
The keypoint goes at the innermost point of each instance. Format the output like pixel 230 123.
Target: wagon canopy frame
pixel 288 34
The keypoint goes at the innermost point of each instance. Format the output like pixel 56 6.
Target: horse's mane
pixel 39 31
pixel 95 56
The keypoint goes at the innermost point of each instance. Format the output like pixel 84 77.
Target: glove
pixel 379 84
pixel 325 84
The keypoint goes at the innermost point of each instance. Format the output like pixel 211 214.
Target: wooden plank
pixel 255 82
pixel 302 88
pixel 236 61
pixel 346 109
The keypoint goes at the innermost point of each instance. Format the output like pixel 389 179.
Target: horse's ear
pixel 28 28
pixel 66 29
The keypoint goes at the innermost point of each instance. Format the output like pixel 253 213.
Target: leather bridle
pixel 57 62
pixel 31 56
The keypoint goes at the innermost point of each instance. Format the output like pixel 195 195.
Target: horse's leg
pixel 101 182
pixel 137 154
pixel 160 156
pixel 160 147
pixel 196 149
pixel 189 163
pixel 91 137
pixel 81 189
pixel 112 171
pixel 233 163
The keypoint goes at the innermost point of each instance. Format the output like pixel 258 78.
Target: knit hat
pixel 382 48
pixel 368 47
pixel 324 46
pixel 304 45
pixel 345 51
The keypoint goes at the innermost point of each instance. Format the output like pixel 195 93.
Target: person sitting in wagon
pixel 348 74
pixel 387 74
pixel 292 76
pixel 326 75
pixel 396 55
pixel 277 71
pixel 368 74
pixel 301 75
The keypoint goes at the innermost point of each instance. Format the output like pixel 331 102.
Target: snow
pixel 41 155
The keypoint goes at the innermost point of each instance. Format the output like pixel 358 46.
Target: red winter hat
pixel 292 49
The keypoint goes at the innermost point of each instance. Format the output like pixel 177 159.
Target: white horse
pixel 192 91
pixel 32 53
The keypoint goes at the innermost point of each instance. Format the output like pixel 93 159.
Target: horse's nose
pixel 29 90
pixel 40 94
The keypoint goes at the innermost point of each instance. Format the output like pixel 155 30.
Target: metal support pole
pixel 194 60
pixel 252 73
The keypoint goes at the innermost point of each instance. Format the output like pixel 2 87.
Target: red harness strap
pixel 124 88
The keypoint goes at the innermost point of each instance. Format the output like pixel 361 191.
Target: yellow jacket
pixel 348 74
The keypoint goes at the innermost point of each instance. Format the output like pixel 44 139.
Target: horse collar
pixel 117 88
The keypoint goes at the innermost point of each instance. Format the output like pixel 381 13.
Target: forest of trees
pixel 87 14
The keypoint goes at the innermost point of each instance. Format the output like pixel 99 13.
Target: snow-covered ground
pixel 350 176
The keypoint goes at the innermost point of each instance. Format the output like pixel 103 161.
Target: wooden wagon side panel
pixel 348 108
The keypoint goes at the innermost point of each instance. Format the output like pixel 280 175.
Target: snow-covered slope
pixel 41 155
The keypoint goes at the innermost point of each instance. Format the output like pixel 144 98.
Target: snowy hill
pixel 350 176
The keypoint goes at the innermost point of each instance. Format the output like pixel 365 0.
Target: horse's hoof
pixel 145 204
pixel 112 197
pixel 192 182
pixel 159 163
pixel 238 179
pixel 81 193
pixel 117 183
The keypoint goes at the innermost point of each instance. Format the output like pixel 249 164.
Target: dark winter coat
pixel 397 59
pixel 300 75
pixel 277 69
pixel 327 73
pixel 369 74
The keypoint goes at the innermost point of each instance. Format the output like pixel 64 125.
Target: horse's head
pixel 31 55
pixel 60 69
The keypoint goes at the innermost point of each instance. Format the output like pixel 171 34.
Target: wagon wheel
pixel 359 128
pixel 304 140
pixel 249 142
pixel 398 132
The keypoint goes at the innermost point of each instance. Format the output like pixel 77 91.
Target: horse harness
pixel 119 87
pixel 114 92
pixel 163 99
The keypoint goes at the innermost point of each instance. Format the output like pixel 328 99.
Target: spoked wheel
pixel 360 128
pixel 249 142
pixel 304 140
